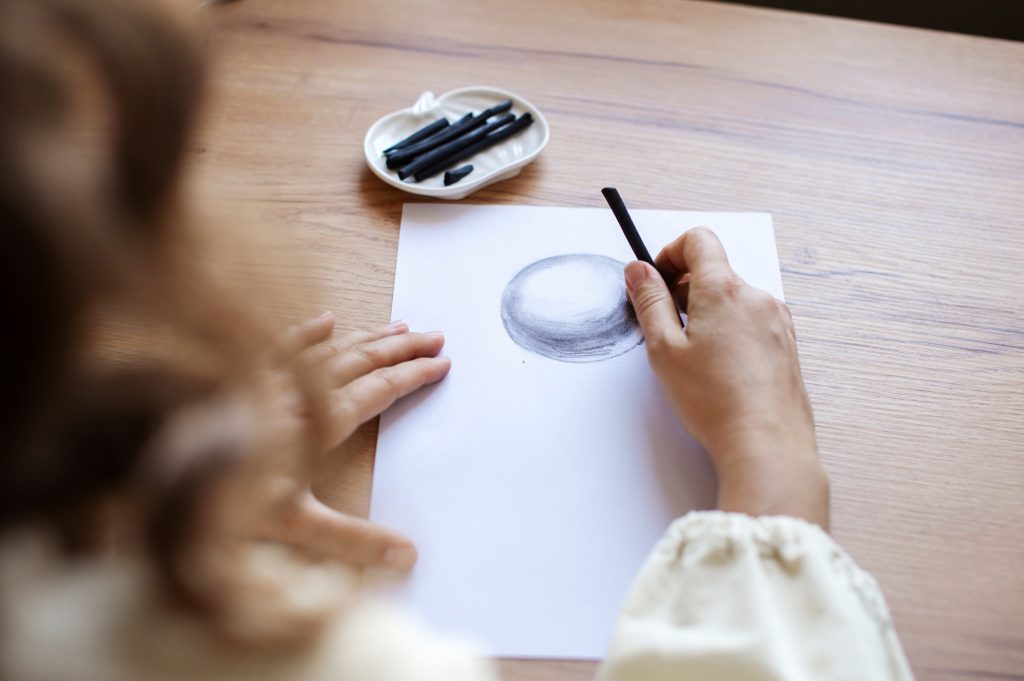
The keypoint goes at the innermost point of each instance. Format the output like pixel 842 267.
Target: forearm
pixel 767 485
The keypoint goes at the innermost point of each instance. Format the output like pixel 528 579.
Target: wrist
pixel 774 477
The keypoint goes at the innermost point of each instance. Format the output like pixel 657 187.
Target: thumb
pixel 655 309
pixel 310 525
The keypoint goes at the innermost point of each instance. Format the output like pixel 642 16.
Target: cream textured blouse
pixel 722 597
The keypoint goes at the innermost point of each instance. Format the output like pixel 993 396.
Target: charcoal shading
pixel 571 308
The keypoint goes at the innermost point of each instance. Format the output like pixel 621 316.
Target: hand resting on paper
pixel 733 378
pixel 366 372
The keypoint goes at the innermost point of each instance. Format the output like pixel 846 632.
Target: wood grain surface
pixel 892 160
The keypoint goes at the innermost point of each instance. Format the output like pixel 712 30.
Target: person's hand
pixel 732 376
pixel 365 373
pixel 227 477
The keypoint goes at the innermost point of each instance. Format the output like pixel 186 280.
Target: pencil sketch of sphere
pixel 572 308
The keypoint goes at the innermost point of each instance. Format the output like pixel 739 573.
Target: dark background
pixel 995 18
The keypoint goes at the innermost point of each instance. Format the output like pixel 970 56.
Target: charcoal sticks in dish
pixel 422 133
pixel 432 153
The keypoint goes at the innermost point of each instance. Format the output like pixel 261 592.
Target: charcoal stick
pixel 446 150
pixel 403 155
pixel 422 133
pixel 453 176
pixel 488 141
pixel 500 107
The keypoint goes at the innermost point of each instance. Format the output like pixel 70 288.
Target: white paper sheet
pixel 534 488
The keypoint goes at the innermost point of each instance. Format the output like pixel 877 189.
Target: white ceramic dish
pixel 500 162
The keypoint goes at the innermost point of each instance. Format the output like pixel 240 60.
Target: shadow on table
pixel 994 18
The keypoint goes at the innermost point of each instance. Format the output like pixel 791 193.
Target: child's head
pixel 98 99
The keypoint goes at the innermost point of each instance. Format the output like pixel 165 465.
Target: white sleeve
pixel 727 597
pixel 379 642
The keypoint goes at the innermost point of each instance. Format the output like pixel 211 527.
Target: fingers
pixel 697 253
pixel 314 527
pixel 355 337
pixel 369 395
pixel 304 335
pixel 655 309
pixel 328 349
pixel 362 358
pixel 787 316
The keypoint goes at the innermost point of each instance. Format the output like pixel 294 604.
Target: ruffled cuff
pixel 725 595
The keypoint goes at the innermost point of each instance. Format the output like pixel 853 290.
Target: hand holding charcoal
pixel 733 377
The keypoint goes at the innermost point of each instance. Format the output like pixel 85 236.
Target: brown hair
pixel 90 221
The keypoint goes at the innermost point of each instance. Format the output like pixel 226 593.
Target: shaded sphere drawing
pixel 572 308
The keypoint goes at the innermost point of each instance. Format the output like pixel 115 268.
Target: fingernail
pixel 636 274
pixel 400 557
pixel 398 325
pixel 324 316
pixel 434 334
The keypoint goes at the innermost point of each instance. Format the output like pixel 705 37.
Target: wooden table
pixel 892 160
